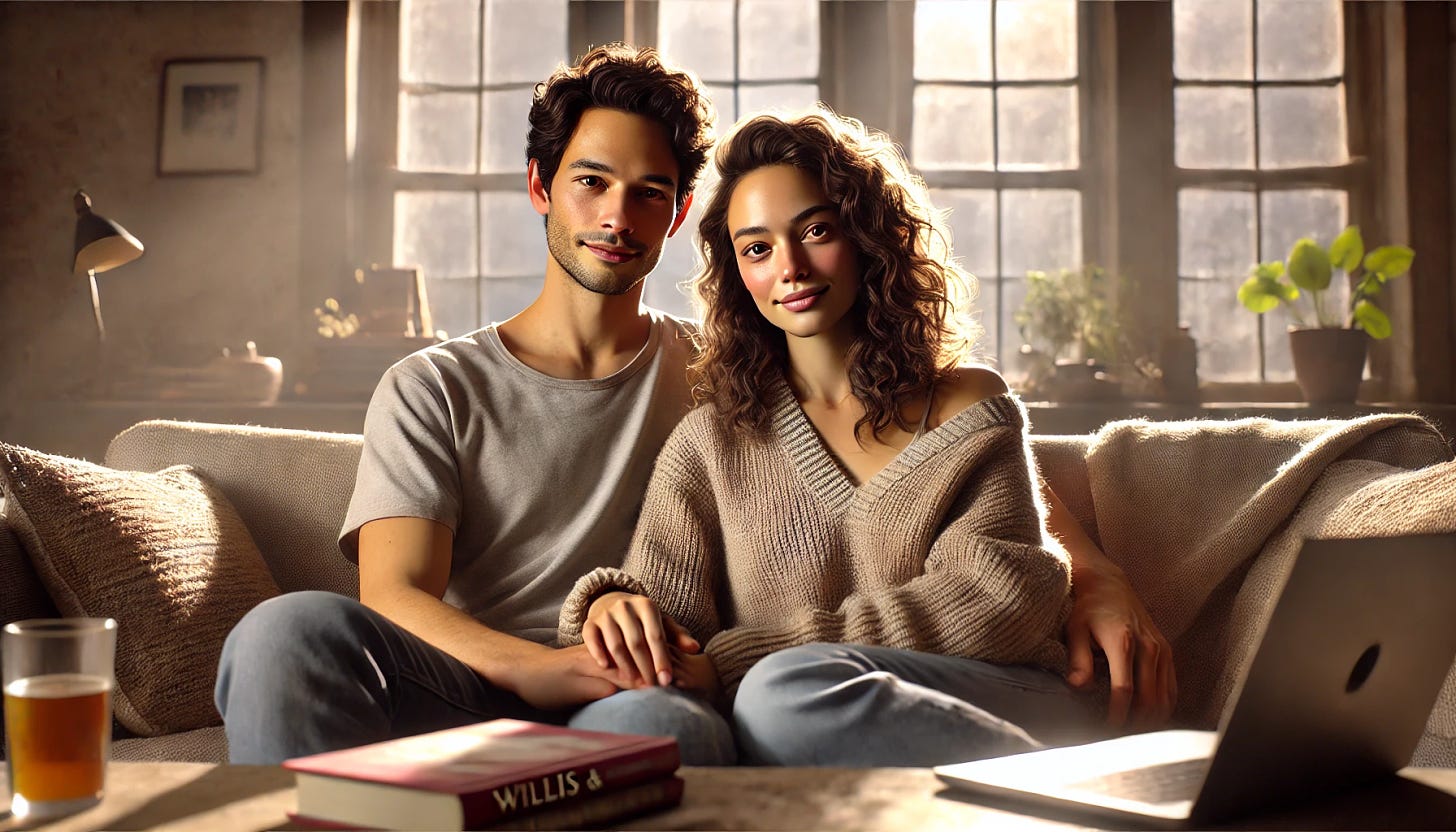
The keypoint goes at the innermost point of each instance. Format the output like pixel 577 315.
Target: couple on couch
pixel 840 557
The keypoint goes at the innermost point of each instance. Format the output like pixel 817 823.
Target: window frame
pixel 1125 88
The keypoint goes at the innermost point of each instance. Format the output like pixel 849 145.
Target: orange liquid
pixel 58 735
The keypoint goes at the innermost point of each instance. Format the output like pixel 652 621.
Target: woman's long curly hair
pixel 907 330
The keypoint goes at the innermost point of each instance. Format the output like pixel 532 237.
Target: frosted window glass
pixel 1215 233
pixel 987 314
pixel 435 230
pixel 1302 126
pixel 525 40
pixel 1213 40
pixel 782 99
pixel 512 235
pixel 1036 40
pixel 777 39
pixel 698 34
pixel 1013 297
pixel 502 297
pixel 1038 127
pixel 1300 39
pixel 1214 127
pixel 503 126
pixel 722 98
pixel 453 304
pixel 1226 332
pixel 1040 229
pixel 437 132
pixel 953 40
pixel 972 222
pixel 440 42
pixel 952 128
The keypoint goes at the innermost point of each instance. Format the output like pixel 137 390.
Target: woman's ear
pixel 540 194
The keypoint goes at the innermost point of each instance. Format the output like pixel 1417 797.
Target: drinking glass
pixel 58 676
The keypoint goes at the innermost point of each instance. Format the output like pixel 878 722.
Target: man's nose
pixel 616 214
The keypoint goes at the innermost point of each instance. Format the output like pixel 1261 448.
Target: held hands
pixel 627 632
pixel 550 679
pixel 1105 610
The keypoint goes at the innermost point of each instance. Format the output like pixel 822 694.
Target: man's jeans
pixel 313 671
pixel 853 705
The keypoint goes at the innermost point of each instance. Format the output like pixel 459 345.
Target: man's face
pixel 611 203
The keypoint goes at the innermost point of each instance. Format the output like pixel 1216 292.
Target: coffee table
pixel 194 796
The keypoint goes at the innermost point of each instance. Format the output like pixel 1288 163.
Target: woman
pixel 849 527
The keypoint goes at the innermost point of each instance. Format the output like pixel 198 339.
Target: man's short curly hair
pixel 907 330
pixel 626 78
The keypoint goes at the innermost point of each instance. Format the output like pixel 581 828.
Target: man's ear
pixel 540 198
pixel 682 214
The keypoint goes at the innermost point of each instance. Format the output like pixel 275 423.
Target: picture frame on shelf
pixel 211 117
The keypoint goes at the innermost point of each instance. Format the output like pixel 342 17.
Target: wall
pixel 80 89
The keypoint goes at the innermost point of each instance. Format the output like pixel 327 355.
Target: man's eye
pixel 590 181
pixel 653 193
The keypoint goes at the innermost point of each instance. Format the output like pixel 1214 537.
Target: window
pixel 997 135
pixel 1178 143
pixel 1260 146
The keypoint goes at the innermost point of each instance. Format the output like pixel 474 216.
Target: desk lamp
pixel 100 245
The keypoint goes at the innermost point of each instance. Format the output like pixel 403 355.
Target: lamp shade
pixel 100 243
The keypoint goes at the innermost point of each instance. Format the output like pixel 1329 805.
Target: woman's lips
pixel 803 300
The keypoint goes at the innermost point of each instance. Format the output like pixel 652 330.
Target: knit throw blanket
pixel 1206 517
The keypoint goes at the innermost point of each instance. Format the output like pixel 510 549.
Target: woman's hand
pixel 696 673
pixel 1107 612
pixel 629 632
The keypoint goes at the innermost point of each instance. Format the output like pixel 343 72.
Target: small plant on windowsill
pixel 333 322
pixel 1076 340
pixel 1329 356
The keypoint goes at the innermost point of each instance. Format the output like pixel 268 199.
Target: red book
pixel 477 775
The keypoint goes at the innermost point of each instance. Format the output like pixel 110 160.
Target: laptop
pixel 1342 682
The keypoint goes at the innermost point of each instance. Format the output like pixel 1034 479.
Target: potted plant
pixel 1073 334
pixel 1329 355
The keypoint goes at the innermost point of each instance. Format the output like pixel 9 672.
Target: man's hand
pixel 627 631
pixel 1107 612
pixel 551 679
pixel 696 673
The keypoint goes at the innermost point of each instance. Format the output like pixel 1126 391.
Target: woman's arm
pixel 664 594
pixel 1106 611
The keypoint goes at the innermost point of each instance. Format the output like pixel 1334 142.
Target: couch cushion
pixel 291 487
pixel 164 554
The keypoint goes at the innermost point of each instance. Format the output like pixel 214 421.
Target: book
pixel 478 775
pixel 594 811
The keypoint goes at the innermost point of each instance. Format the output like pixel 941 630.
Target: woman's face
pixel 795 260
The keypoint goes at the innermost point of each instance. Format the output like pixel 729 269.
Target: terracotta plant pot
pixel 1328 363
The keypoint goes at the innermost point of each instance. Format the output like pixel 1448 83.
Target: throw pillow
pixel 163 553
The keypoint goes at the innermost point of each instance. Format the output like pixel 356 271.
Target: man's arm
pixel 404 567
pixel 1107 611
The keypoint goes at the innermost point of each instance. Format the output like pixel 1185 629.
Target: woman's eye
pixel 755 250
pixel 817 231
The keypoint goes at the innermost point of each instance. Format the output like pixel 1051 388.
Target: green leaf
pixel 1309 266
pixel 1347 249
pixel 1390 261
pixel 1256 295
pixel 1272 270
pixel 1372 319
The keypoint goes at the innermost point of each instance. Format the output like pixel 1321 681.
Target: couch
pixel 1203 516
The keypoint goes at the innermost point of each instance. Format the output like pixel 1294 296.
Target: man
pixel 500 466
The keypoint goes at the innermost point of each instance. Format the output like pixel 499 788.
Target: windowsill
pixel 1086 417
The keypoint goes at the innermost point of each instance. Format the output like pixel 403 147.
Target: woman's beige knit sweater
pixel 755 545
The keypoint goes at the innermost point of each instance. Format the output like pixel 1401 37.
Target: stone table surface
pixel 200 796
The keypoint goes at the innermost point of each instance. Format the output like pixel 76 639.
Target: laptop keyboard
pixel 1163 783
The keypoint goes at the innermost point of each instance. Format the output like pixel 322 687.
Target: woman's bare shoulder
pixel 965 387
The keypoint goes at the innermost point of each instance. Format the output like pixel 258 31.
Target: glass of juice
pixel 58 676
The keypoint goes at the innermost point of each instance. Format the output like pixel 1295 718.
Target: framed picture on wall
pixel 212 114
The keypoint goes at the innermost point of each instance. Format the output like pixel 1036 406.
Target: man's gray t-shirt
pixel 540 478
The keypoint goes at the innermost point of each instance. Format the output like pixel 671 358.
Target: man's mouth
pixel 611 254
pixel 802 299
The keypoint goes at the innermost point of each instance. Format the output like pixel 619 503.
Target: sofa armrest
pixel 291 488
pixel 1062 461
